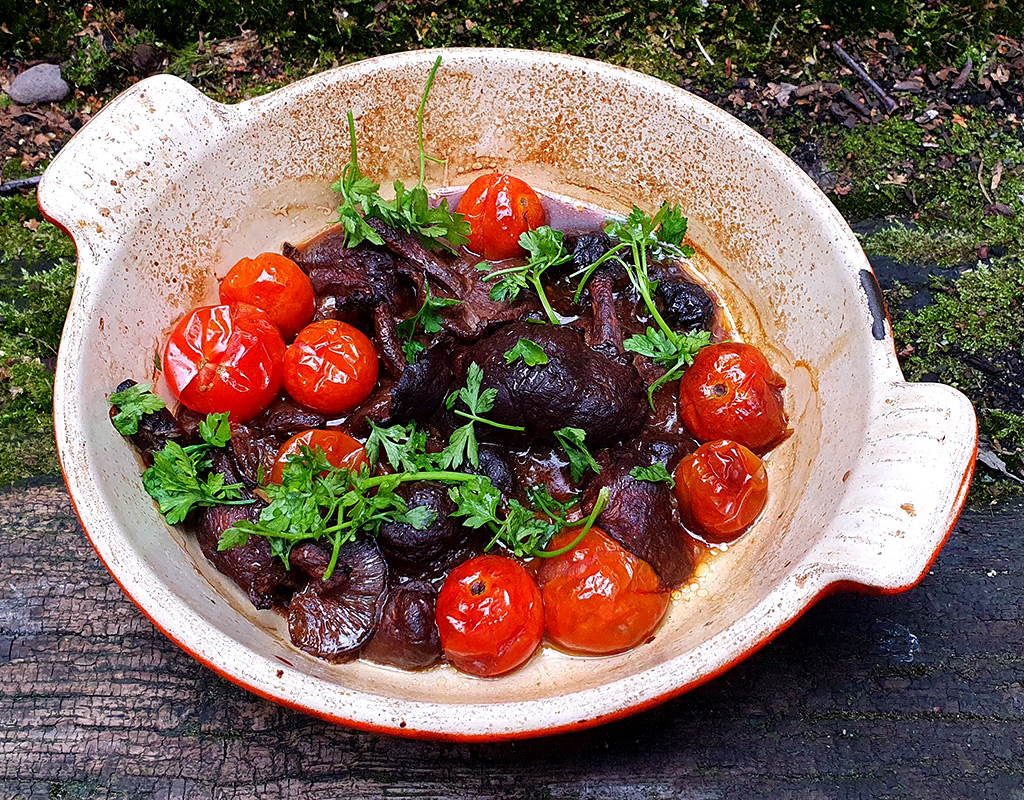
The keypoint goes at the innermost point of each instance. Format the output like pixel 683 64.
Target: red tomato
pixel 273 284
pixel 340 448
pixel 490 616
pixel 731 392
pixel 599 598
pixel 721 487
pixel 331 367
pixel 500 209
pixel 225 358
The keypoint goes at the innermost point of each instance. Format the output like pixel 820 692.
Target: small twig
pixel 20 185
pixel 858 70
pixel 703 52
pixel 981 183
pixel 857 105
pixel 772 34
pixel 965 73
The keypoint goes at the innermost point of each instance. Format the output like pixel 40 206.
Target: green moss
pixel 36 276
pixel 915 246
pixel 980 313
pixel 32 311
pixel 88 65
pixel 945 187
pixel 26 238
pixel 970 338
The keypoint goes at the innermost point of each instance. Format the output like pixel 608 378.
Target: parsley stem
pixel 588 523
pixel 535 280
pixel 498 272
pixel 419 123
pixel 436 475
pixel 475 418
pixel 588 272
pixel 643 285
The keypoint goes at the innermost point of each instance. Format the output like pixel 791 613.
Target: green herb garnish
pixel 519 529
pixel 463 445
pixel 410 210
pixel 528 350
pixel 580 460
pixel 656 473
pixel 426 318
pixel 546 250
pixel 675 353
pixel 661 236
pixel 133 404
pixel 180 478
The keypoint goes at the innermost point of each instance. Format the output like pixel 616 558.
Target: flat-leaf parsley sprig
pixel 410 210
pixel 427 318
pixel 181 478
pixel 463 445
pixel 659 237
pixel 546 250
pixel 132 405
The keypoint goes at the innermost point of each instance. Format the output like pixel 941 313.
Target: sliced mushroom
pixel 407 635
pixel 332 619
pixel 640 517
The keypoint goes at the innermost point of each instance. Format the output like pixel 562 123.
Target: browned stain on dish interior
pixel 737 318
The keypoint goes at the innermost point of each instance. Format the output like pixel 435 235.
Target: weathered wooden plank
pixel 917 695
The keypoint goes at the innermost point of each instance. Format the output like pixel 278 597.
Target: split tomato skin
pixel 331 367
pixel 276 286
pixel 490 616
pixel 340 449
pixel 500 208
pixel 722 487
pixel 731 392
pixel 225 358
pixel 599 598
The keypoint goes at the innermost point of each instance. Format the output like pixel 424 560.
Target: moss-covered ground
pixel 937 184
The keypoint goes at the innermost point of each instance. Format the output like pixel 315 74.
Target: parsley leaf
pixel 133 404
pixel 463 445
pixel 404 446
pixel 427 318
pixel 546 250
pixel 215 430
pixel 580 459
pixel 661 236
pixel 528 350
pixel 179 481
pixel 410 210
pixel 520 530
pixel 675 353
pixel 656 473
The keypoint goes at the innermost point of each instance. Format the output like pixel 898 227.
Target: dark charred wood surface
pixel 916 695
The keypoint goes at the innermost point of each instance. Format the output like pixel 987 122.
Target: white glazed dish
pixel 166 189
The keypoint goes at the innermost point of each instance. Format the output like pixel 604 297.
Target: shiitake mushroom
pixel 332 619
pixel 406 634
pixel 420 550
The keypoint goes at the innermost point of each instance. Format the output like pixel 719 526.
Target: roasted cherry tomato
pixel 500 209
pixel 599 598
pixel 225 358
pixel 731 392
pixel 340 448
pixel 490 616
pixel 721 487
pixel 275 285
pixel 331 367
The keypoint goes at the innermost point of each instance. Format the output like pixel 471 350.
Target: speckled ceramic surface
pixel 165 189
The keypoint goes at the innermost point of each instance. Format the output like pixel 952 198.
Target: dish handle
pixel 905 492
pixel 103 178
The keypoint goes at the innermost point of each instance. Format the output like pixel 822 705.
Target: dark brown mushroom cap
pixel 407 635
pixel 333 619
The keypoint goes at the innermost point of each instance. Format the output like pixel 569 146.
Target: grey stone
pixel 40 84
